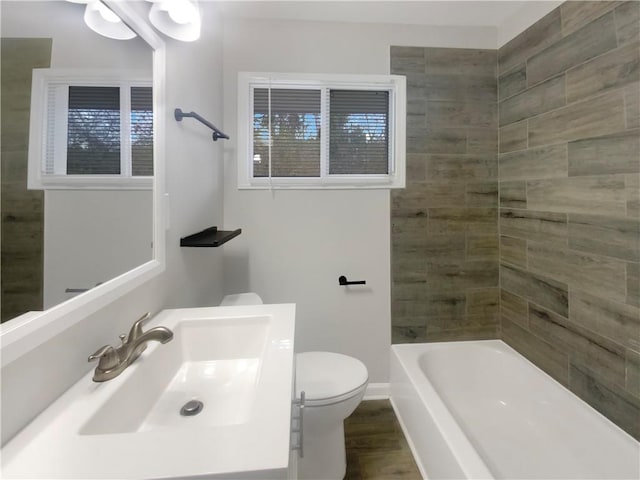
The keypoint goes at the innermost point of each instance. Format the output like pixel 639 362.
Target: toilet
pixel 333 386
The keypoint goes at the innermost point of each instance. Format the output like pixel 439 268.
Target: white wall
pixel 193 276
pixel 295 244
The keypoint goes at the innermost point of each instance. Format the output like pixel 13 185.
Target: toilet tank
pixel 248 298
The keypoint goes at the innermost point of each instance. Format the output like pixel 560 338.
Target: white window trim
pixel 396 84
pixel 41 78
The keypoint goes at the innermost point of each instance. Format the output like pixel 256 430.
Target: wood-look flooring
pixel 376 447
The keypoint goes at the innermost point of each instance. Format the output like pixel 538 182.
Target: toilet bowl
pixel 334 385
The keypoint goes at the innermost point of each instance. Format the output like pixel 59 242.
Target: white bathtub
pixel 481 410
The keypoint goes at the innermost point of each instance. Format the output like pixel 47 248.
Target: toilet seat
pixel 328 378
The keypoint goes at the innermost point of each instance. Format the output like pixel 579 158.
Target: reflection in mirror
pixel 57 242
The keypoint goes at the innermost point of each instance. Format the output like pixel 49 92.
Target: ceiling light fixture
pixel 102 20
pixel 179 19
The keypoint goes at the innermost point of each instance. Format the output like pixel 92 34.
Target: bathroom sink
pixel 214 401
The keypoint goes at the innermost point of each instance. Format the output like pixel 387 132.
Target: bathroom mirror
pixel 91 239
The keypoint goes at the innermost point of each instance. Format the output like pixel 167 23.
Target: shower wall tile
pixel 546 96
pixel 589 41
pixel 570 238
pixel 627 18
pixel 617 404
pixel 445 265
pixel 542 162
pixel 514 137
pixel 604 73
pixel 608 154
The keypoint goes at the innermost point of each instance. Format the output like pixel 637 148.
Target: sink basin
pixel 237 362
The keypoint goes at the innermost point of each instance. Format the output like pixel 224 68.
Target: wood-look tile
pixel 457 167
pixel 632 186
pixel 608 154
pixel 408 202
pixel 482 247
pixel 541 98
pixel 460 85
pixel 599 195
pixel 481 194
pixel 588 272
pixel 633 284
pixel 409 312
pixel 553 361
pixel 484 332
pixel 577 14
pixel 602 115
pixel 459 324
pixel 407 60
pixel 416 125
pixel 480 220
pixel 449 140
pixel 482 140
pixel 446 247
pixel 447 304
pixel 632 105
pixel 415 291
pixel 416 168
pixel 606 317
pixel 483 301
pixel 620 407
pixel 441 194
pixel 462 114
pixel 599 354
pixel 513 251
pixel 532 225
pixel 373 435
pixel 512 82
pixel 614 69
pixel 514 137
pixel 534 163
pixel 627 18
pixel 406 268
pixel 588 42
pixel 513 194
pixel 537 288
pixel 456 276
pixel 402 334
pixel 534 39
pixel 451 61
pixel 514 309
pixel 633 372
pixel 613 237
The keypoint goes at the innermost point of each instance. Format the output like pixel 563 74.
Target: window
pixel 90 129
pixel 329 131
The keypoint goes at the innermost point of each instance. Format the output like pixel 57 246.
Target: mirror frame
pixel 30 330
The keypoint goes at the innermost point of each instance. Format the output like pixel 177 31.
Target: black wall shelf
pixel 209 237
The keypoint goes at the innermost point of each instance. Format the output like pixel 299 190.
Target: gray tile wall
pixel 445 223
pixel 22 210
pixel 569 169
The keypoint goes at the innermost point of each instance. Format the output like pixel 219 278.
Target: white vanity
pixel 237 361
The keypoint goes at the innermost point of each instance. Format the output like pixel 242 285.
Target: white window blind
pixel 321 131
pixel 290 120
pixel 142 131
pixel 358 132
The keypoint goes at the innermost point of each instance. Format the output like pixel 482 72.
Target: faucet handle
pixel 107 356
pixel 136 329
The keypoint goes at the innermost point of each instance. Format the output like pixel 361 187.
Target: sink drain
pixel 191 408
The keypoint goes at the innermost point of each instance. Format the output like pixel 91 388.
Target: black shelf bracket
pixel 217 133
pixel 209 237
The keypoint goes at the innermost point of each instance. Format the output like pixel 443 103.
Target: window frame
pixel 395 84
pixel 42 78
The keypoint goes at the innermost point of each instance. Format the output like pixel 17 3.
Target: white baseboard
pixel 377 391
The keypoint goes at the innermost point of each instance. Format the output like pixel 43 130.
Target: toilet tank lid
pixel 325 375
pixel 249 298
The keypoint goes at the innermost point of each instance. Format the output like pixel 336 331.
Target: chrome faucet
pixel 113 361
